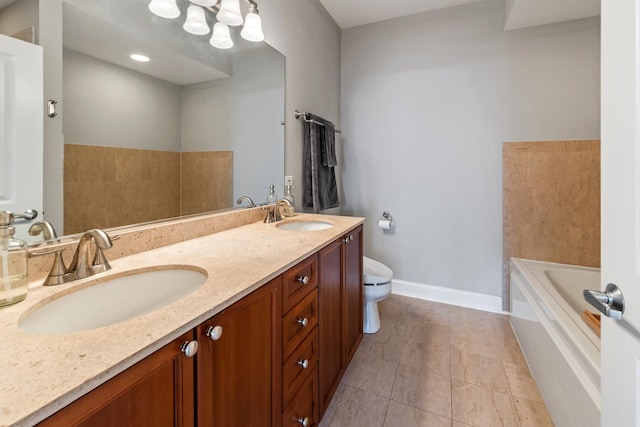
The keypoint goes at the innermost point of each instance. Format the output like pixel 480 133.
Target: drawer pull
pixel 189 348
pixel 214 332
pixel 304 363
pixel 303 321
pixel 303 279
pixel 304 422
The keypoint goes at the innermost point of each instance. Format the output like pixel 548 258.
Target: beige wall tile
pixel 551 203
pixel 207 181
pixel 109 187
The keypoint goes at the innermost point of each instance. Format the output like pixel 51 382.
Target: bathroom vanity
pixel 264 341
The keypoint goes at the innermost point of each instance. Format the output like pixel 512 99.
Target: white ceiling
pixel 521 13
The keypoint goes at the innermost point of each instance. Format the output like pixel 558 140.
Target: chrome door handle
pixel 610 302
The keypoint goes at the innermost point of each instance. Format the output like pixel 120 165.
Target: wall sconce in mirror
pixel 227 13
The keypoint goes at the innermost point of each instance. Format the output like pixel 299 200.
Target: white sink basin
pixel 304 225
pixel 105 301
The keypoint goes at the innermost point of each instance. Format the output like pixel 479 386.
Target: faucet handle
pixel 58 273
pixel 100 262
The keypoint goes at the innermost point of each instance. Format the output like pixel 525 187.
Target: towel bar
pixel 304 117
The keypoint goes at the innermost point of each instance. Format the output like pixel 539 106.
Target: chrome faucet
pixel 248 199
pixel 82 266
pixel 288 209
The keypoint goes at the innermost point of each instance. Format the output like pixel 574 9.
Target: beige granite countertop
pixel 43 373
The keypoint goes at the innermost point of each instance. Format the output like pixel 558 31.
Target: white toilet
pixel 376 279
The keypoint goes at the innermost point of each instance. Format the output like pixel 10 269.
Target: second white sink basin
pixel 304 225
pixel 106 301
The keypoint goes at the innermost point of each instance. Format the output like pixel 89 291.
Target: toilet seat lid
pixel 375 272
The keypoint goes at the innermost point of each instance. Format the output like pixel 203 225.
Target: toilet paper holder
pixel 386 221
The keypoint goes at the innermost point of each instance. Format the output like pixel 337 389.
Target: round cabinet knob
pixel 304 363
pixel 214 332
pixel 303 322
pixel 348 238
pixel 304 422
pixel 303 279
pixel 189 348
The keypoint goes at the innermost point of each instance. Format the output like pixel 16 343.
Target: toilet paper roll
pixel 384 224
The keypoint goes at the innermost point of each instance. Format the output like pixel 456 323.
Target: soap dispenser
pixel 13 263
pixel 272 197
pixel 289 195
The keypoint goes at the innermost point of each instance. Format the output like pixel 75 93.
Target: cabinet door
pixel 157 391
pixel 352 303
pixel 239 373
pixel 330 296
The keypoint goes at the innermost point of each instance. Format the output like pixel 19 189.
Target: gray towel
pixel 329 145
pixel 320 191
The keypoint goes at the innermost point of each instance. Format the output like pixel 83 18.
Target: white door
pixel 21 121
pixel 620 89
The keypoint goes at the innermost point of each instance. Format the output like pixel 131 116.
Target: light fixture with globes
pixel 227 13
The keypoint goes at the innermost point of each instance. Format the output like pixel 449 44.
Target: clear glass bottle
pixel 289 195
pixel 272 197
pixel 14 284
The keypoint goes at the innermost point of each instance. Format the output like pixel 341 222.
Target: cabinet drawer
pixel 299 365
pixel 298 322
pixel 304 404
pixel 298 281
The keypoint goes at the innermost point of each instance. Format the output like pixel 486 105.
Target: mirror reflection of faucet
pixel 248 199
pixel 282 208
pixel 45 228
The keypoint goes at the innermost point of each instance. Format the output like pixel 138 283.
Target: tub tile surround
pixel 44 373
pixel 138 185
pixel 481 387
pixel 551 203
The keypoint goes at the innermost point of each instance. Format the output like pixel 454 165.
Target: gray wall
pixel 310 40
pixel 241 114
pixel 427 102
pixel 111 106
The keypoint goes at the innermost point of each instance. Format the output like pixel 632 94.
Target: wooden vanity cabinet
pixel 273 358
pixel 238 373
pixel 157 391
pixel 341 310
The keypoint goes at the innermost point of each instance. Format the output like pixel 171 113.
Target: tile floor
pixel 434 364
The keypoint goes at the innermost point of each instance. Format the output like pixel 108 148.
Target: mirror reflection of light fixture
pixel 196 22
pixel 221 37
pixel 252 29
pixel 227 13
pixel 165 8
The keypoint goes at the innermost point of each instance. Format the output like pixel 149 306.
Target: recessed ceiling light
pixel 139 58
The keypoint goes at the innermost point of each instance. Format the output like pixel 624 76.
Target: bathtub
pixel 563 353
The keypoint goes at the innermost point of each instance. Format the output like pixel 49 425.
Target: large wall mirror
pixel 187 132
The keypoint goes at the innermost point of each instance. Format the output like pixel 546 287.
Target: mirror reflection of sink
pixel 304 225
pixel 111 301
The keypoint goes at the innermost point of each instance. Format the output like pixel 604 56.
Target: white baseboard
pixel 448 296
